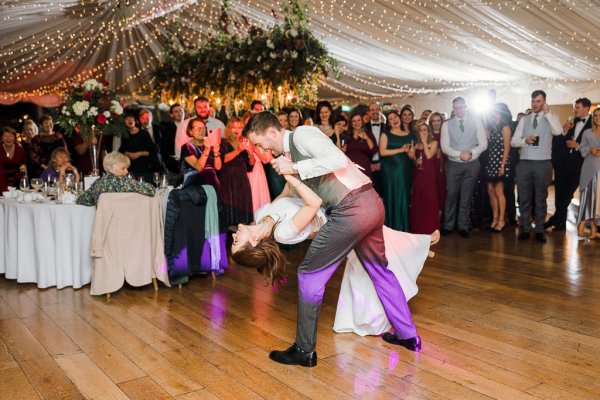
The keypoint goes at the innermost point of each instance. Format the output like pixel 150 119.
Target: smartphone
pixel 215 136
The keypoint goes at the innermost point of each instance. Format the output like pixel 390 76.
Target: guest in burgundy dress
pixel 436 120
pixel 424 217
pixel 13 157
pixel 360 145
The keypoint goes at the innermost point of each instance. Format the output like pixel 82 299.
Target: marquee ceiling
pixel 386 48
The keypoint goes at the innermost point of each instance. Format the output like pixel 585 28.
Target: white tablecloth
pixel 46 243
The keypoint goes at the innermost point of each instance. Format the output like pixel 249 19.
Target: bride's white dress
pixel 359 309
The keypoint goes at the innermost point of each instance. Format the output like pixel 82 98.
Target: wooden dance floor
pixel 499 319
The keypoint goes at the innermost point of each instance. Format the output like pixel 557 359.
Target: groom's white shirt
pixel 325 158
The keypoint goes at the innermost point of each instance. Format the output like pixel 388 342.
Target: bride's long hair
pixel 266 257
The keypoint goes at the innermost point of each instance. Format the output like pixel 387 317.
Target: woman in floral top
pixel 114 181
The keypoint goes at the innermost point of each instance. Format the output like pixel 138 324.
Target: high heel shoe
pixel 500 226
pixel 493 224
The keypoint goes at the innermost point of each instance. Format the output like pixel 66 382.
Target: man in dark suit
pixel 168 132
pixel 376 126
pixel 567 162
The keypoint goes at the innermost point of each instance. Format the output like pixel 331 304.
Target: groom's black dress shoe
pixel 295 356
pixel 412 344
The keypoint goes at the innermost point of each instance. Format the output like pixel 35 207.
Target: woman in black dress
pixel 140 149
pixel 498 167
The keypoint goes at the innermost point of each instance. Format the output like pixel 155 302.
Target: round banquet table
pixel 46 243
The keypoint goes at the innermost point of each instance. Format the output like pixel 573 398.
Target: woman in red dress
pixel 424 216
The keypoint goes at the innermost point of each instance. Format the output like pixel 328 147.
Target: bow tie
pixel 578 119
pixel 377 124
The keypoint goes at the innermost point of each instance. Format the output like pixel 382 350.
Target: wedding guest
pixel 202 109
pixel 366 116
pixel 424 203
pixel 13 158
pixel 376 126
pixel 234 184
pixel 145 118
pixel 200 159
pixel 396 168
pixel 140 149
pixel 425 116
pixel 324 118
pixel 257 106
pixel 567 162
pixel 60 167
pixel 463 140
pixel 534 171
pixel 360 145
pixel 589 182
pixel 43 145
pixel 436 120
pixel 340 131
pixel 498 167
pixel 169 131
pixel 295 119
pixel 282 116
pixel 115 180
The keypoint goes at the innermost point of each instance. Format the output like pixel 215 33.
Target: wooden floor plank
pixel 15 385
pixel 106 356
pixel 89 379
pixel 49 379
pixel 54 340
pixel 143 389
pixel 20 342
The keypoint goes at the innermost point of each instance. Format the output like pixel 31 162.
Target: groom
pixel 356 217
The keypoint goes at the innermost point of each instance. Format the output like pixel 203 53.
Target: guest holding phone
pixel 201 158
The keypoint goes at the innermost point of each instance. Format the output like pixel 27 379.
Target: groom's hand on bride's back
pixel 283 165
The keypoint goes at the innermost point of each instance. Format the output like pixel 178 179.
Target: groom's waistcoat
pixel 327 186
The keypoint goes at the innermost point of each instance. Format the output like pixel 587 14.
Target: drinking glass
pixel 163 181
pixel 78 187
pixel 36 183
pixel 156 178
pixel 420 161
pixel 141 179
pixel 24 184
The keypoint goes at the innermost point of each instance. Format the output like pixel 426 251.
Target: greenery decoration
pixel 242 62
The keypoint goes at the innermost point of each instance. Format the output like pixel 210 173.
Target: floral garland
pixel 88 105
pixel 242 62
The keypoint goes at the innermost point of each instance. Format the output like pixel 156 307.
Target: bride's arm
pixel 312 202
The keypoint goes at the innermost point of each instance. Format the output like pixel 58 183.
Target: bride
pixel 290 220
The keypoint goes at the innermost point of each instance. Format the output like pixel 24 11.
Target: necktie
pixel 462 126
pixel 535 123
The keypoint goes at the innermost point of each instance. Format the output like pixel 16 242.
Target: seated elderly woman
pixel 114 181
pixel 60 166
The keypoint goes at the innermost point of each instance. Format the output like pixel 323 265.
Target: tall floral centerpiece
pixel 90 108
pixel 242 61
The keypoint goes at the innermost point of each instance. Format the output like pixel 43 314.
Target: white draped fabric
pixel 47 244
pixel 386 48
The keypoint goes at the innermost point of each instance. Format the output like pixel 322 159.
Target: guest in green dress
pixel 397 168
pixel 115 180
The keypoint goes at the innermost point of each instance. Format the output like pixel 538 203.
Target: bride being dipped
pixel 291 220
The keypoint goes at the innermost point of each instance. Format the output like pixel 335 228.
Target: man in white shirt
pixel 202 109
pixel 356 222
pixel 463 140
pixel 168 134
pixel 534 170
pixel 567 162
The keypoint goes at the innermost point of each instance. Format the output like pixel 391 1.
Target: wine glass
pixel 163 181
pixel 141 179
pixel 420 160
pixel 24 184
pixel 36 183
pixel 156 178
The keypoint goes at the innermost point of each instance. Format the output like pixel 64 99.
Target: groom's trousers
pixel 355 223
